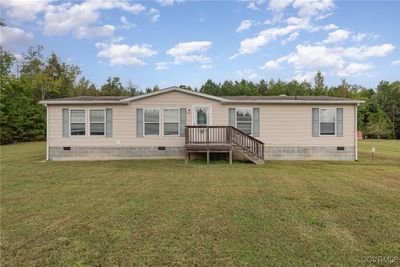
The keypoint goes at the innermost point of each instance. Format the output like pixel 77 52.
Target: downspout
pixel 355 132
pixel 47 132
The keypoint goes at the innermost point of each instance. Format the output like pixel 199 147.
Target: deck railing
pixel 208 135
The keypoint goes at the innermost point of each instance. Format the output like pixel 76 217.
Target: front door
pixel 201 115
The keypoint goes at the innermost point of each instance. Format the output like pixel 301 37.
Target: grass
pixel 165 213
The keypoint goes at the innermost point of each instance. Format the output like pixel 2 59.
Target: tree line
pixel 34 78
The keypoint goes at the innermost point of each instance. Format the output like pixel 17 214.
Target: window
pixel 151 121
pixel 202 115
pixel 171 121
pixel 244 120
pixel 97 121
pixel 327 121
pixel 78 121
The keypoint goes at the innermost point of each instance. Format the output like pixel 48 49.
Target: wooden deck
pixel 222 139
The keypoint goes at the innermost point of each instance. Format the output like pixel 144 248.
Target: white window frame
pixel 319 122
pixel 179 121
pixel 85 122
pixel 159 121
pixel 251 122
pixel 90 123
pixel 194 115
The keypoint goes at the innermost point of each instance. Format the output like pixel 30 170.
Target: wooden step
pixel 248 155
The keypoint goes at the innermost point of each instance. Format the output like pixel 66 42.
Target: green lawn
pixel 165 213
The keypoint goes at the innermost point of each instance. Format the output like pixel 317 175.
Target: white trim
pixel 319 122
pixel 47 132
pixel 159 122
pixel 169 89
pixel 179 122
pixel 85 122
pixel 356 132
pixel 194 114
pixel 251 122
pixel 90 123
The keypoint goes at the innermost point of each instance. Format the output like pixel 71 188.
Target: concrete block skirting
pixel 308 153
pixel 271 153
pixel 114 153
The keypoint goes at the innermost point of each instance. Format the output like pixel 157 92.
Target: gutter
pixel 49 102
pixel 291 102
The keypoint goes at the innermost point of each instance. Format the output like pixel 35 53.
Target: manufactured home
pixel 178 123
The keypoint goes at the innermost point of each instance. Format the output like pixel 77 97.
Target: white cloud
pixel 254 5
pixel 276 17
pixel 90 32
pixel 316 8
pixel 308 11
pixel 122 54
pixel 270 65
pixel 247 74
pixel 68 18
pixel 291 38
pixel 278 5
pixel 206 66
pixel 363 36
pixel 330 27
pixel 162 65
pixel 252 45
pixel 363 52
pixel 18 57
pixel 154 14
pixel 11 37
pixel 396 62
pixel 359 37
pixel 190 52
pixel 307 76
pixel 315 57
pixel 133 8
pixel 337 36
pixel 126 24
pixel 244 25
pixel 356 69
pixel 24 10
pixel 306 8
pixel 168 2
pixel 309 58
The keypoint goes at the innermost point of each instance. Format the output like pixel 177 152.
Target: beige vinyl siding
pixel 286 125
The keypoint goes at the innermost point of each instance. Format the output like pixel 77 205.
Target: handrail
pixel 207 135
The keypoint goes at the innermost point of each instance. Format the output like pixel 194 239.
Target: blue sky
pixel 171 42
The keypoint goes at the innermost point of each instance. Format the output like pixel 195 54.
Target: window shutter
pixel 256 122
pixel 139 122
pixel 339 122
pixel 109 121
pixel 182 121
pixel 315 122
pixel 65 118
pixel 232 120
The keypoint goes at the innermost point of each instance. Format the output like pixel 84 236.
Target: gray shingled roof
pixel 258 98
pixel 90 98
pixel 124 100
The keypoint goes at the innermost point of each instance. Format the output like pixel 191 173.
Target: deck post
pixel 186 157
pixel 208 156
pixel 230 156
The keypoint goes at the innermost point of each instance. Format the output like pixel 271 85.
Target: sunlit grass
pixel 162 212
